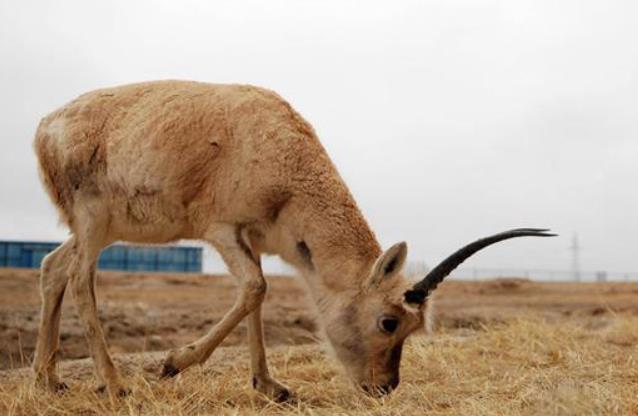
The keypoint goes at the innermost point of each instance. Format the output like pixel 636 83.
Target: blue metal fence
pixel 29 254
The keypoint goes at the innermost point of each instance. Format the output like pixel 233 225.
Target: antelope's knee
pixel 255 292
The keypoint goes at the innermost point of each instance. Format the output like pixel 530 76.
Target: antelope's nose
pixel 394 382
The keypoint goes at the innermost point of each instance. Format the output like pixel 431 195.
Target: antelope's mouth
pixel 379 390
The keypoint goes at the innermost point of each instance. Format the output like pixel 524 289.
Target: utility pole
pixel 575 249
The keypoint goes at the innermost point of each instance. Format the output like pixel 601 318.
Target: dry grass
pixel 525 366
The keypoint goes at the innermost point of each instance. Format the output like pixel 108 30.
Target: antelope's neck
pixel 319 227
pixel 341 246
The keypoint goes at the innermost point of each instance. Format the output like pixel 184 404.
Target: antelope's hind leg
pixel 90 241
pixel 54 276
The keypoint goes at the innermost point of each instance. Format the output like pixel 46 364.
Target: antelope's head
pixel 367 328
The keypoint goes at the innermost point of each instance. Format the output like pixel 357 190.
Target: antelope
pixel 236 167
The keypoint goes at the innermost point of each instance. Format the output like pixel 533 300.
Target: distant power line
pixel 550 275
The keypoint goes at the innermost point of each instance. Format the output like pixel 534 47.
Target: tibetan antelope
pixel 236 167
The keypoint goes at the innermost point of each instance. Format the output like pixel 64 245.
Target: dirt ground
pixel 156 312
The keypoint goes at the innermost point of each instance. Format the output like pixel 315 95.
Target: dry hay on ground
pixel 523 366
pixel 503 347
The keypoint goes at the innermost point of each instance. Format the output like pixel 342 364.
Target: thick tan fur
pixel 233 165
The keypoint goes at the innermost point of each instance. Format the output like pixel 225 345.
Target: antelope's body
pixel 167 160
pixel 234 166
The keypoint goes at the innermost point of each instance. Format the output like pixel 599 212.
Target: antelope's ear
pixel 389 264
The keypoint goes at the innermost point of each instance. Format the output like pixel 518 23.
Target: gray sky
pixel 449 120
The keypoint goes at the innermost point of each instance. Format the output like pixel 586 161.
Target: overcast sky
pixel 449 120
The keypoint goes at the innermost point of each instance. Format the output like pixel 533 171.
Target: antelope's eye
pixel 388 324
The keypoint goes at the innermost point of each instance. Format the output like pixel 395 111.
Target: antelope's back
pixel 176 144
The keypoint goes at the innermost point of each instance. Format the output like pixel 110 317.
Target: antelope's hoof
pixel 169 370
pixel 51 384
pixel 120 392
pixel 123 392
pixel 272 389
pixel 178 360
pixel 60 387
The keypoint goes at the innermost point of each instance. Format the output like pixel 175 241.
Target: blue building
pixel 29 254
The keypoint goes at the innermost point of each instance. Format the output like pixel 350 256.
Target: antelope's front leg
pixel 261 379
pixel 245 267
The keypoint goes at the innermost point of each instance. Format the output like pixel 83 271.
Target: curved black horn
pixel 423 288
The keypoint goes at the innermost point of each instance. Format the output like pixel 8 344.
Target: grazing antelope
pixel 237 167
